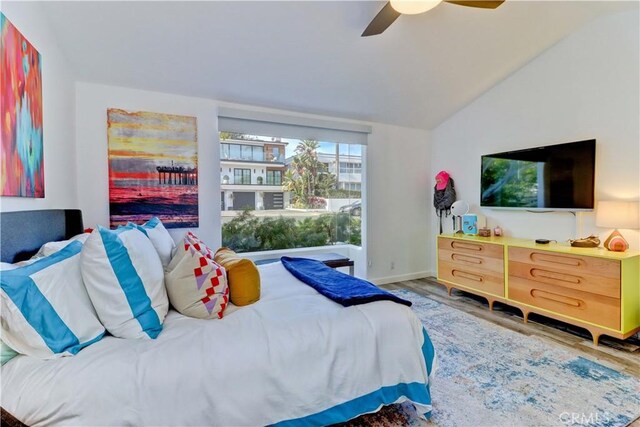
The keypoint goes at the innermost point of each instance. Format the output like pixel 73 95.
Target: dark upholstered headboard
pixel 22 233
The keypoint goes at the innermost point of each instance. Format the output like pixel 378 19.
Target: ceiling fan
pixel 394 8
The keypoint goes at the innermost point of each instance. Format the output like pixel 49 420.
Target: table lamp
pixel 610 214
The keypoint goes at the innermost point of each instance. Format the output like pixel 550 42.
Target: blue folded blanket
pixel 339 287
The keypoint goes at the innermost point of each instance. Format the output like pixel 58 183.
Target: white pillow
pixel 160 237
pixel 46 311
pixel 125 281
pixel 50 248
pixel 196 285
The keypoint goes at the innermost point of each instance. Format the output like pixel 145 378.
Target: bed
pixel 293 358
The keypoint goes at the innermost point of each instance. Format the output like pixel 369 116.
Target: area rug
pixel 488 375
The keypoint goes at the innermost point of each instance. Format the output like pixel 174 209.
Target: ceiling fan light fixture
pixel 414 7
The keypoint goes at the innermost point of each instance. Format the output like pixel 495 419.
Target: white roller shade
pixel 284 126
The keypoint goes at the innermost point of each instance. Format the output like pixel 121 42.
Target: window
pixel 258 154
pixel 234 152
pixel 247 152
pixel 275 151
pixel 224 151
pixel 275 154
pixel 242 176
pixel 350 167
pixel 352 186
pixel 274 177
pixel 317 201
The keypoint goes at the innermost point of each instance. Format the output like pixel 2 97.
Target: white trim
pixel 402 277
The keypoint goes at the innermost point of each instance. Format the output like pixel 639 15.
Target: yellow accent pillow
pixel 242 275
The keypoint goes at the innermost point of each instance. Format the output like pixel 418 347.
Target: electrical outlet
pixel 393 265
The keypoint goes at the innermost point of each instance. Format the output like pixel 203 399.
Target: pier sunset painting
pixel 153 168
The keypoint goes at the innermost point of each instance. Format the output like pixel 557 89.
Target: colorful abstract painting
pixel 153 168
pixel 21 115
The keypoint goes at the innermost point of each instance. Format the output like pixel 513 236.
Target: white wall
pixel 58 113
pixel 397 220
pixel 586 86
pixel 399 207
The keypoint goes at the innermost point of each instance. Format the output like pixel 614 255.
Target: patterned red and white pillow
pixel 196 285
pixel 199 245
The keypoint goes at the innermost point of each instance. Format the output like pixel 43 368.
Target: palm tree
pixel 292 184
pixel 308 178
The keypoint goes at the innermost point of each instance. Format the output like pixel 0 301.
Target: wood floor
pixel 620 355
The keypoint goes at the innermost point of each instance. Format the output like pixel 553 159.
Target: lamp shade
pixel 612 214
pixel 413 7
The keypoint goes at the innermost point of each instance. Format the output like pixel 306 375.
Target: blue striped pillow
pixel 124 277
pixel 46 311
pixel 160 238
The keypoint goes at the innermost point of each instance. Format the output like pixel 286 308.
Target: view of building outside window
pixel 279 193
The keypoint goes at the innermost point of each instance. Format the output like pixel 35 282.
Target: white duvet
pixel 294 357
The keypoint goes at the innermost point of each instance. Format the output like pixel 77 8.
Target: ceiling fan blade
pixel 477 3
pixel 382 21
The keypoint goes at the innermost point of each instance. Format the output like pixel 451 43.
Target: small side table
pixel 331 259
pixel 334 260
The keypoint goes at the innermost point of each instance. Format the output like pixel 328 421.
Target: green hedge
pixel 247 233
pixel 344 194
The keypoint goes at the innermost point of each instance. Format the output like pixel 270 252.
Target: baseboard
pixel 401 277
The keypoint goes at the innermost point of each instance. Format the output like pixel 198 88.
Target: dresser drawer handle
pixel 544 274
pixel 464 275
pixel 466 258
pixel 537 293
pixel 468 246
pixel 556 259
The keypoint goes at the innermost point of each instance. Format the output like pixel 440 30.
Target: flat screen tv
pixel 554 177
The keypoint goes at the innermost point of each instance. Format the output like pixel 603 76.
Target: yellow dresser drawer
pixel 597 309
pixel 471 277
pixel 567 263
pixel 474 262
pixel 577 280
pixel 487 250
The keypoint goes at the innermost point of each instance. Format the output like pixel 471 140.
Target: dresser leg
pixel 596 338
pixel 525 316
pixel 449 289
pixel 490 304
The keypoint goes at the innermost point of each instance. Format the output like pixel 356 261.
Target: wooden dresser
pixel 475 265
pixel 592 288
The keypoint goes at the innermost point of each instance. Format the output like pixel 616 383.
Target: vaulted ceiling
pixel 308 56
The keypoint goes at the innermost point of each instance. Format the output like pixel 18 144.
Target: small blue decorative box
pixel 470 224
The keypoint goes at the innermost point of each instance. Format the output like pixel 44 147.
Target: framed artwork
pixel 21 155
pixel 153 168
